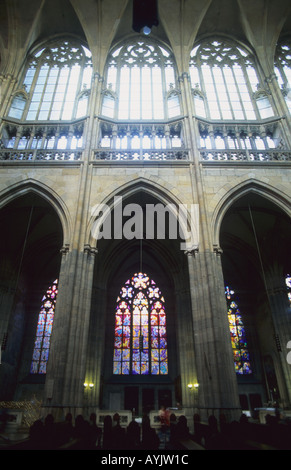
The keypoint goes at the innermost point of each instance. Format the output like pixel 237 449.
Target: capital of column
pixel 217 250
pixel 64 250
pixel 192 251
pixel 90 250
pixel 183 76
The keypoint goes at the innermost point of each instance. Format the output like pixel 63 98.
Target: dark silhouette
pixel 150 439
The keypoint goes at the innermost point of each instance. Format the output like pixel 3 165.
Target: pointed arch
pixel 187 215
pixel 40 190
pixel 250 186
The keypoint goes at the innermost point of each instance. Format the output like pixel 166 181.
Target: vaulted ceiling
pixel 258 23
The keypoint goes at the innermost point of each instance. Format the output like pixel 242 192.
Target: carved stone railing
pixel 39 155
pixel 270 155
pixel 144 155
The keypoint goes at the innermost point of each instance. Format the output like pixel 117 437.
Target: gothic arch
pixel 39 189
pixel 242 189
pixel 130 190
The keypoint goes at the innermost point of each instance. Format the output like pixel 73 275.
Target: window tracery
pixel 55 79
pixel 141 83
pixel 283 69
pixel 225 83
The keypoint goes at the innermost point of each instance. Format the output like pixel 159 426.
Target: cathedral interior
pixel 104 124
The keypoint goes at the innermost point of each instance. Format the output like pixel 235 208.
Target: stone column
pixel 280 311
pixel 217 392
pixel 79 330
pixel 67 359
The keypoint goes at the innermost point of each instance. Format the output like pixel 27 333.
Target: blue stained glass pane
pixel 42 368
pixel 117 368
pixel 125 368
pixel 117 355
pixel 136 367
pixel 164 368
pixel 155 368
pixel 37 344
pixel 46 342
pixel 36 354
pixel 163 343
pixel 40 330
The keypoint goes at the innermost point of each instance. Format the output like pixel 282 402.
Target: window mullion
pixel 65 93
pixel 227 92
pixel 216 92
pixel 238 92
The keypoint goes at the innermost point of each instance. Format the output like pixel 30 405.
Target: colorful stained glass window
pixel 288 284
pixel 43 330
pixel 140 341
pixel 238 335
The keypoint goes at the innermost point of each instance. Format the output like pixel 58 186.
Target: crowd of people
pixel 86 434
pixel 170 433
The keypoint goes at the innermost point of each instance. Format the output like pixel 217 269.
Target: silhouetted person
pixel 107 433
pixel 95 432
pixel 182 430
pixel 36 435
pixel 133 436
pixel 150 439
pixel 49 432
pixel 118 434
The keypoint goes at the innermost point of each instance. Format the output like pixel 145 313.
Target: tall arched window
pixel 140 342
pixel 43 330
pixel 225 83
pixel 283 69
pixel 140 83
pixel 56 80
pixel 238 336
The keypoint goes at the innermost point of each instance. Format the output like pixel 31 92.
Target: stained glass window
pixel 44 330
pixel 288 284
pixel 140 341
pixel 238 335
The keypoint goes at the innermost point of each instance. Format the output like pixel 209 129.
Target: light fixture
pixel 195 385
pixel 90 385
pixel 144 15
pixel 146 30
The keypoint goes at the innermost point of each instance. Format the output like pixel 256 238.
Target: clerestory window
pixel 283 69
pixel 57 83
pixel 140 83
pixel 225 83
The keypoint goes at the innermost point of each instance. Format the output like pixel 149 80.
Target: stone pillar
pixel 67 360
pixel 280 311
pixel 217 392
